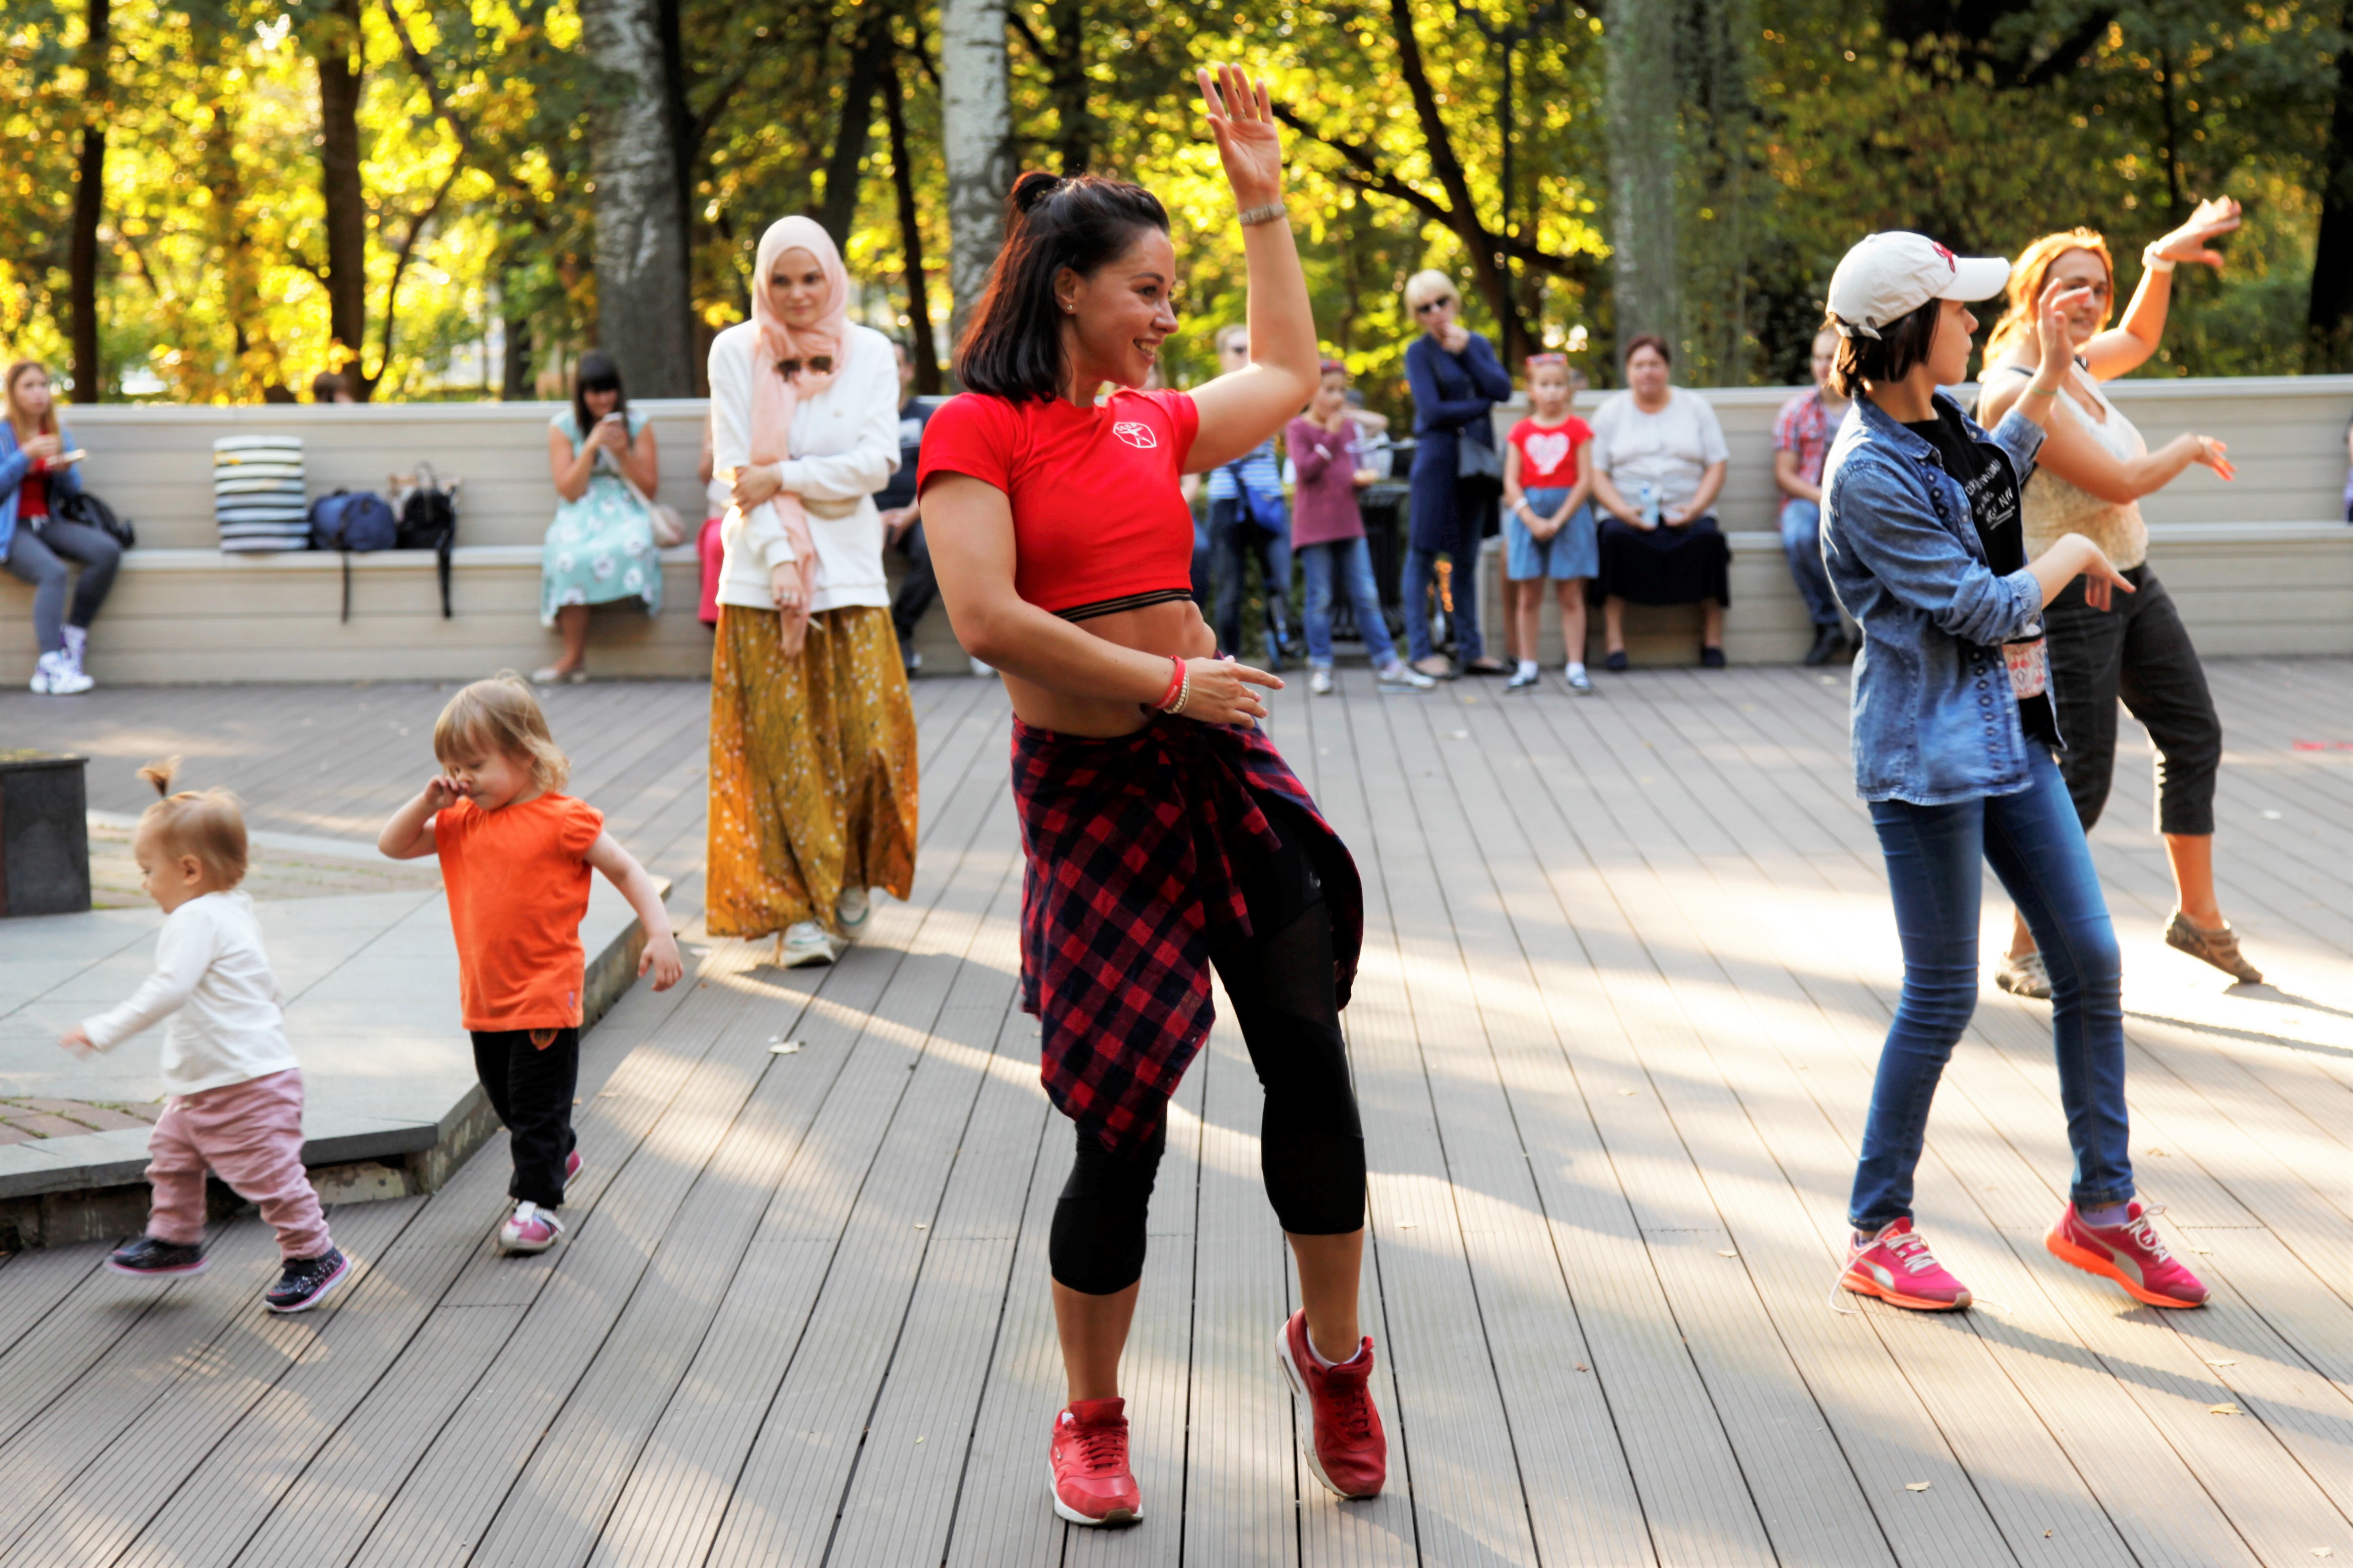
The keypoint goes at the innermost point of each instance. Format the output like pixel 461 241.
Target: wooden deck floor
pixel 1628 966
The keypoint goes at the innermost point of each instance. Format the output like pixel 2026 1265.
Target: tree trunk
pixel 1638 47
pixel 1068 89
pixel 514 362
pixel 335 45
pixel 90 205
pixel 976 131
pixel 643 308
pixel 2329 324
pixel 870 54
pixel 1485 249
pixel 922 349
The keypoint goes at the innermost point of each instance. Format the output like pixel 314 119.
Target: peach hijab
pixel 775 394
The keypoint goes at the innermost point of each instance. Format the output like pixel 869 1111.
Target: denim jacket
pixel 1934 721
pixel 14 466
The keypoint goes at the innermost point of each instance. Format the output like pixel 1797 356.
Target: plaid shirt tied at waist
pixel 1127 881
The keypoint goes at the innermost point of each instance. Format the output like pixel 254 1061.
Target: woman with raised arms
pixel 1164 833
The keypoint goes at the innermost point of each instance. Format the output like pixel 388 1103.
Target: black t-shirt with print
pixel 900 490
pixel 1994 507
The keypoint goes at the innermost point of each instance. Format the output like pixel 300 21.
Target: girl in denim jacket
pixel 1953 732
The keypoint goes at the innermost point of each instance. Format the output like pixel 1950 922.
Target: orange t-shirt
pixel 518 884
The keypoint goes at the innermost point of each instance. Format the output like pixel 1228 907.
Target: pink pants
pixel 249 1133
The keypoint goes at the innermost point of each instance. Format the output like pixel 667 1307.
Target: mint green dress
pixel 601 547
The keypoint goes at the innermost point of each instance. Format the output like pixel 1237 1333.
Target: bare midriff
pixel 1173 630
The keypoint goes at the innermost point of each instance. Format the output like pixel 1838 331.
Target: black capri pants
pixel 2138 651
pixel 1311 1145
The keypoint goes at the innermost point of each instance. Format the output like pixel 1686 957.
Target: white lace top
pixel 2055 507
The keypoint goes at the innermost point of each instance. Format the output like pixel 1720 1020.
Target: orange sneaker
pixel 2130 1254
pixel 1897 1266
pixel 1092 1484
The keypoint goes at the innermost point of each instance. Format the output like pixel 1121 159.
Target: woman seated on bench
pixel 601 545
pixel 36 542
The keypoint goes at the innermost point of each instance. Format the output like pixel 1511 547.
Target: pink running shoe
pixel 1897 1266
pixel 1350 1452
pixel 530 1228
pixel 2130 1254
pixel 572 1167
pixel 1092 1484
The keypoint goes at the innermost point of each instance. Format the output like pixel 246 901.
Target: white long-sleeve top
pixel 213 979
pixel 845 443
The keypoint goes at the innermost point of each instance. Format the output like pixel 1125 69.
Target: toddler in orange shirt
pixel 515 856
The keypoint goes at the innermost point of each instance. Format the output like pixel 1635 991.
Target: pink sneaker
pixel 1897 1266
pixel 530 1228
pixel 1348 1451
pixel 2130 1254
pixel 1092 1484
pixel 572 1167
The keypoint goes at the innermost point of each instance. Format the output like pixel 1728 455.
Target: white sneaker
pixel 804 942
pixel 1401 673
pixel 1319 682
pixel 851 910
pixel 54 675
pixel 980 670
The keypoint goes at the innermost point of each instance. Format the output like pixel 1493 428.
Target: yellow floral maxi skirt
pixel 812 768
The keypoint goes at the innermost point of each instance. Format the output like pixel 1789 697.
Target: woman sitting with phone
pixel 37 468
pixel 601 455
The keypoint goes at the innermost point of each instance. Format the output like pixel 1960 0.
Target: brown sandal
pixel 2219 948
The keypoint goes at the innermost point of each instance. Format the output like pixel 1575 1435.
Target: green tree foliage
pixel 1800 125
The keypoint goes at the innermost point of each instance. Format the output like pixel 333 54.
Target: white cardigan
pixel 845 442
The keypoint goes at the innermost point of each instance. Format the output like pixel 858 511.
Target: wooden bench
pixel 2258 567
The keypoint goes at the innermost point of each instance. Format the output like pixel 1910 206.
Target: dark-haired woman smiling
pixel 1162 832
pixel 1953 730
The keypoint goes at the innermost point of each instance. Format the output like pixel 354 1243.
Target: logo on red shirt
pixel 1135 434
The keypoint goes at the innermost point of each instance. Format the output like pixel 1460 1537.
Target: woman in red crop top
pixel 1162 832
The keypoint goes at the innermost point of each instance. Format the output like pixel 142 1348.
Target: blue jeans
pixel 1233 539
pixel 2036 847
pixel 1801 542
pixel 1421 572
pixel 1351 559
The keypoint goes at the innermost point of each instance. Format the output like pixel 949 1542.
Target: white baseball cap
pixel 1888 276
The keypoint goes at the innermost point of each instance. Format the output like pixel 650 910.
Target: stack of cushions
pixel 258 499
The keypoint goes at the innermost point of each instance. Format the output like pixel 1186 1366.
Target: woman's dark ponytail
pixel 1013 349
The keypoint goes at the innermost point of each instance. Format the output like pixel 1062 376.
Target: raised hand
pixel 2193 241
pixel 2210 452
pixel 2053 331
pixel 441 792
pixel 1241 118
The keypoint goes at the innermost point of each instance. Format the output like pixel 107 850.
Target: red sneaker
pixel 1092 1484
pixel 2130 1254
pixel 1350 1452
pixel 1897 1266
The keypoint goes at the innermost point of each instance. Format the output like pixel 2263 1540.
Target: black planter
pixel 44 834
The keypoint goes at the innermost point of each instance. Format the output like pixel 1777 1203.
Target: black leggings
pixel 2140 651
pixel 1311 1145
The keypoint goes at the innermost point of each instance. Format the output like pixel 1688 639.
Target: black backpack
pixel 354 522
pixel 429 520
pixel 82 507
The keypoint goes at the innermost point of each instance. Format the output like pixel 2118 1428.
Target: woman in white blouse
pixel 812 737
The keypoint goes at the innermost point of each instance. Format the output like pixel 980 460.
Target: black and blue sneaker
pixel 306 1281
pixel 150 1259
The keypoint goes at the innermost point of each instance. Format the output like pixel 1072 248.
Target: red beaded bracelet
pixel 1175 686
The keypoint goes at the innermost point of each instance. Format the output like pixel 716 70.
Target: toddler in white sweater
pixel 234 1091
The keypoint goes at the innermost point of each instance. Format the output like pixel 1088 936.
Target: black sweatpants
pixel 1311 1145
pixel 2141 652
pixel 531 1076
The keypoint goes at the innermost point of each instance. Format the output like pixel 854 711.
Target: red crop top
pixel 1099 523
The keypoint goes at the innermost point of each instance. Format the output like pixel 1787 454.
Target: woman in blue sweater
pixel 1455 380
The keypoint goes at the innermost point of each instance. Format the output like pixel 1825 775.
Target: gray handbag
pixel 1476 460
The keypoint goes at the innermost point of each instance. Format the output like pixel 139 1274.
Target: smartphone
pixel 62 459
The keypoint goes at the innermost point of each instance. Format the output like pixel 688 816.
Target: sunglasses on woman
pixel 820 364
pixel 1426 306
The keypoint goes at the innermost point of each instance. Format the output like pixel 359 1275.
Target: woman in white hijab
pixel 812 738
